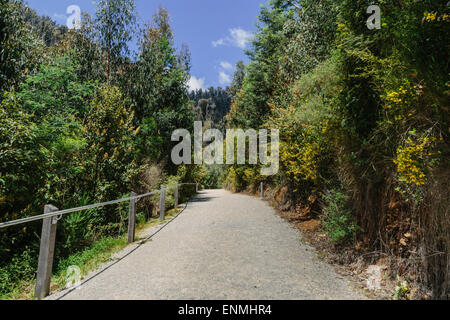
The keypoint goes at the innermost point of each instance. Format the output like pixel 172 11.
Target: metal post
pixel 262 190
pixel 132 219
pixel 196 188
pixel 46 252
pixel 176 196
pixel 162 205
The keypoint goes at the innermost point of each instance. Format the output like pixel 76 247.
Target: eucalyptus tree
pixel 251 105
pixel 115 26
pixel 20 50
pixel 158 86
pixel 80 45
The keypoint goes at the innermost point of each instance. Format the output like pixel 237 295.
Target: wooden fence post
pixel 262 190
pixel 176 196
pixel 162 205
pixel 132 219
pixel 46 252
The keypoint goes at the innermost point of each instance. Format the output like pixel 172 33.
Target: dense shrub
pixel 338 221
pixel 80 124
pixel 363 109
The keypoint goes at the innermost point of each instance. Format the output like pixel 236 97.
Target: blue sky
pixel 215 30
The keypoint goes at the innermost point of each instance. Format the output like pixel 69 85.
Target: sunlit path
pixel 223 246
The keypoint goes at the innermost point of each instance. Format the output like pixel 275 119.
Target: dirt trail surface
pixel 223 246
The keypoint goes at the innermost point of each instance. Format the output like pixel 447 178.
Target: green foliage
pixel 20 269
pixel 215 177
pixel 250 107
pixel 22 160
pixel 211 106
pixel 363 109
pixel 47 30
pixel 78 228
pixel 235 179
pixel 309 38
pixel 191 174
pixel 401 290
pixel 147 142
pixel 108 156
pixel 56 90
pixel 81 47
pixel 170 194
pixel 68 131
pixel 20 50
pixel 238 79
pixel 100 248
pixel 157 85
pixel 338 221
pixel 115 25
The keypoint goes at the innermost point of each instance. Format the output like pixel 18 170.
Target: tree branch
pixel 294 4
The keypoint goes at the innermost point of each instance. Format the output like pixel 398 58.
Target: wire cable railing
pixel 83 208
pixel 52 215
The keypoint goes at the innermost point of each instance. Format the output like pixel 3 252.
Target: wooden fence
pixel 52 215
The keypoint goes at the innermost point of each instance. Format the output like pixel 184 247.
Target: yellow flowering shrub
pixel 432 17
pixel 413 160
pixel 304 140
pixel 251 175
pixel 299 158
pixel 400 103
pixel 232 180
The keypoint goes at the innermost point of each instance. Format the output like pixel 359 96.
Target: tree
pixel 310 36
pixel 109 153
pixel 44 27
pixel 212 105
pixel 251 106
pixel 159 78
pixel 115 25
pixel 80 45
pixel 23 168
pixel 20 51
pixel 56 91
pixel 238 79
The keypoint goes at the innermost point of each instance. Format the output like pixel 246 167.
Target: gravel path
pixel 223 246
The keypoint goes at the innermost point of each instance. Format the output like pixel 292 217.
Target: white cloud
pixel 219 42
pixel 224 78
pixel 238 38
pixel 226 65
pixel 196 83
